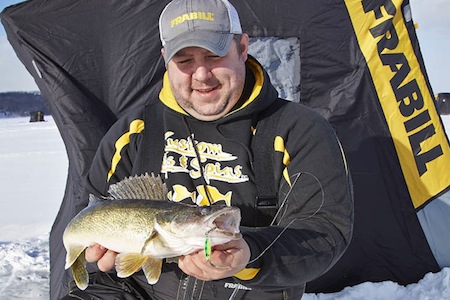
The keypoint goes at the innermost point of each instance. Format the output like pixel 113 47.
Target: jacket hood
pixel 263 94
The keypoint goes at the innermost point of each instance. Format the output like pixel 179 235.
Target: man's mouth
pixel 204 90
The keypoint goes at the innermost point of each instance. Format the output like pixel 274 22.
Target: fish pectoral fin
pixel 128 263
pixel 152 269
pixel 79 272
pixel 149 239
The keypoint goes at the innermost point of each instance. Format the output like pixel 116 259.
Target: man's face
pixel 205 85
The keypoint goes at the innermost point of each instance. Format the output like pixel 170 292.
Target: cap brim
pixel 218 43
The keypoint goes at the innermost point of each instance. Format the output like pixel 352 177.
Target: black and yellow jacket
pixel 295 233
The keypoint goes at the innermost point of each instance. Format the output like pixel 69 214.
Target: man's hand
pixel 106 259
pixel 225 261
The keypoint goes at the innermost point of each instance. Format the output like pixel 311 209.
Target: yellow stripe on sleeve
pixel 279 146
pixel 136 126
pixel 247 274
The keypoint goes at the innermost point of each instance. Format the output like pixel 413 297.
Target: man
pixel 218 114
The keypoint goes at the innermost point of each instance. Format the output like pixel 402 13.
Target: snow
pixel 33 174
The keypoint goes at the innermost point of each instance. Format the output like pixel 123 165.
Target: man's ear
pixel 244 45
pixel 163 53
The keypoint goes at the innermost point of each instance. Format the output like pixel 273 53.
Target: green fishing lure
pixel 207 248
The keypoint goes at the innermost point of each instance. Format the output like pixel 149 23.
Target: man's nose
pixel 202 72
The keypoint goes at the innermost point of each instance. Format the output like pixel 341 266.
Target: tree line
pixel 18 104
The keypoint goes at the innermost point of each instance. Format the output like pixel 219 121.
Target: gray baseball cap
pixel 209 24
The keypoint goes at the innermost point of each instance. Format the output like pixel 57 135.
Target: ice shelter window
pixel 281 59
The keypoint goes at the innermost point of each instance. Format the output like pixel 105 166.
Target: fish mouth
pixel 225 222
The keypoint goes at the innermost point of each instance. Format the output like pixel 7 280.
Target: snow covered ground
pixel 33 165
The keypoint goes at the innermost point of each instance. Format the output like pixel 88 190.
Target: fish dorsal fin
pixel 145 186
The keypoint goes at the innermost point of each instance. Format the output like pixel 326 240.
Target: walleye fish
pixel 139 223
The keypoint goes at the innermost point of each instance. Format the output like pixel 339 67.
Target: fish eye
pixel 205 210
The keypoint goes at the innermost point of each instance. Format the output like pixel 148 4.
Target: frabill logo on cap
pixel 201 15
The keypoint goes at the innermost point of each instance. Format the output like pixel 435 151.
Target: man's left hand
pixel 225 261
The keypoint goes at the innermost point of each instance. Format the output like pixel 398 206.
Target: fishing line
pixel 282 205
pixel 234 294
pixel 207 246
pixel 207 249
pixel 282 209
pixel 285 200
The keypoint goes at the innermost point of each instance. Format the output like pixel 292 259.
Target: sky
pixel 433 33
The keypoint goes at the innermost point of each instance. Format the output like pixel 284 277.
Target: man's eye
pixel 183 61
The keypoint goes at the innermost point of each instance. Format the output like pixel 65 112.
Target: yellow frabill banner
pixel 407 103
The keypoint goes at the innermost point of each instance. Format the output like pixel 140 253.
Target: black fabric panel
pixel 93 71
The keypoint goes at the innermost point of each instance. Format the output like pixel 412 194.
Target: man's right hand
pixel 106 259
